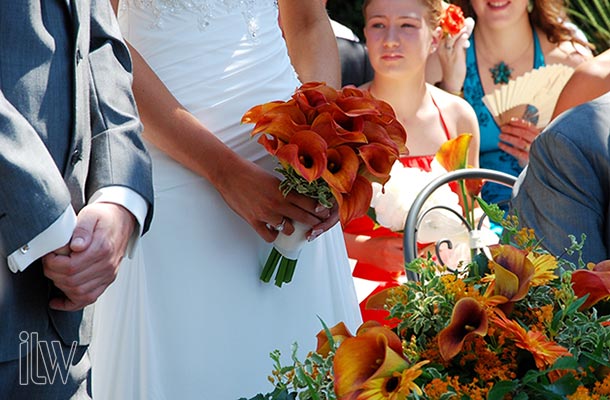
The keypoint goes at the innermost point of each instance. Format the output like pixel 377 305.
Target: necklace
pixel 500 73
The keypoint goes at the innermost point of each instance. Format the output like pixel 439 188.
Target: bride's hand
pixel 254 194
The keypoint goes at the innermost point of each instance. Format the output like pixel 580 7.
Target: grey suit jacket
pixel 566 186
pixel 68 127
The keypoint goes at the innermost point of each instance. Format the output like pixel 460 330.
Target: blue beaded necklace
pixel 501 72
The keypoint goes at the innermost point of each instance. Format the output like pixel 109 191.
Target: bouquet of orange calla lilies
pixel 331 144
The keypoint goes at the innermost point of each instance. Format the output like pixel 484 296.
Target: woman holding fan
pixel 510 38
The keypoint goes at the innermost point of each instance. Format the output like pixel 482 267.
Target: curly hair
pixel 435 10
pixel 547 15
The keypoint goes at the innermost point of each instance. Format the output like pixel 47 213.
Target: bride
pixel 188 316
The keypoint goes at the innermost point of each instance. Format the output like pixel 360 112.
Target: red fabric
pixel 421 162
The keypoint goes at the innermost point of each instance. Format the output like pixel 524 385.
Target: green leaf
pixel 501 389
pixel 566 363
pixel 563 386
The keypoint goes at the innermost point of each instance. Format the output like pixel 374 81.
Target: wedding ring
pixel 279 227
pixel 527 148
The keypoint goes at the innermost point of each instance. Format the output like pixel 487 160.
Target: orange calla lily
pixel 281 121
pixel 398 135
pixel 358 106
pixel 595 283
pixel 341 169
pixel 367 356
pixel 513 271
pixel 312 95
pixel 336 135
pixel 355 203
pixel 468 318
pixel 373 327
pixel 376 133
pixel 338 332
pixel 378 160
pixel 306 153
pixel 453 154
pixel 255 113
pixel 378 300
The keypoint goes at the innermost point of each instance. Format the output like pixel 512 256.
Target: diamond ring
pixel 279 227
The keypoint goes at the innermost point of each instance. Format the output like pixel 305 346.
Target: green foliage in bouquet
pixel 519 323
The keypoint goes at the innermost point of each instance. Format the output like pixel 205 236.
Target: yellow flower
pixel 392 386
pixel 544 268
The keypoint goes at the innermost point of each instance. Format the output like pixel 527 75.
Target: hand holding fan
pixel 531 96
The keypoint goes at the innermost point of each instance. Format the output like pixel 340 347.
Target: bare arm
pixel 178 133
pixel 311 43
pixel 589 81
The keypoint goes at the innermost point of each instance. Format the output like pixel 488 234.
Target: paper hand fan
pixel 531 96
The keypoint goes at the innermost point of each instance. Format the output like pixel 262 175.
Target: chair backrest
pixel 413 217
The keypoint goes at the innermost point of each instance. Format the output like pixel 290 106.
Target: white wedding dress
pixel 188 317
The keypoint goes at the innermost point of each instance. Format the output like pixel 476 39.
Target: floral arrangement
pixel 331 144
pixel 452 20
pixel 519 324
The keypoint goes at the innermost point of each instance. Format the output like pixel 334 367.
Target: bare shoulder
pixel 598 67
pixel 455 110
pixel 450 103
pixel 566 52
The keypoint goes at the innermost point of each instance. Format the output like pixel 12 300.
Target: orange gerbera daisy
pixel 544 351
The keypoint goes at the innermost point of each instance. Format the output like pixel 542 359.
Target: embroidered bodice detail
pixel 203 10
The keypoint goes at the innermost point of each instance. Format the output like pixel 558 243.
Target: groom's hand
pixel 84 269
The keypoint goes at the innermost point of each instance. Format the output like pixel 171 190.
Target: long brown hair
pixel 435 9
pixel 547 15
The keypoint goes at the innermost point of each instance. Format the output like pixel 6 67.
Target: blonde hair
pixel 435 10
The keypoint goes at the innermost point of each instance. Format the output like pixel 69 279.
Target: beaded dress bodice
pixel 203 10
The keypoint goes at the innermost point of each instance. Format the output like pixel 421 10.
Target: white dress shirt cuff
pixel 129 199
pixel 55 236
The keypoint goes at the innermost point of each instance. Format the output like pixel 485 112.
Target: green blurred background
pixel 592 16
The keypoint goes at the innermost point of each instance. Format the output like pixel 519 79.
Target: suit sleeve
pixel 563 193
pixel 118 155
pixel 29 180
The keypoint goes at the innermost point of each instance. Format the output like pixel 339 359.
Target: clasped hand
pixel 86 266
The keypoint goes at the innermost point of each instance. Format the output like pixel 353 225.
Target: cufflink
pixel 24 249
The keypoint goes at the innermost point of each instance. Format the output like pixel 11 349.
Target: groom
pixel 75 187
